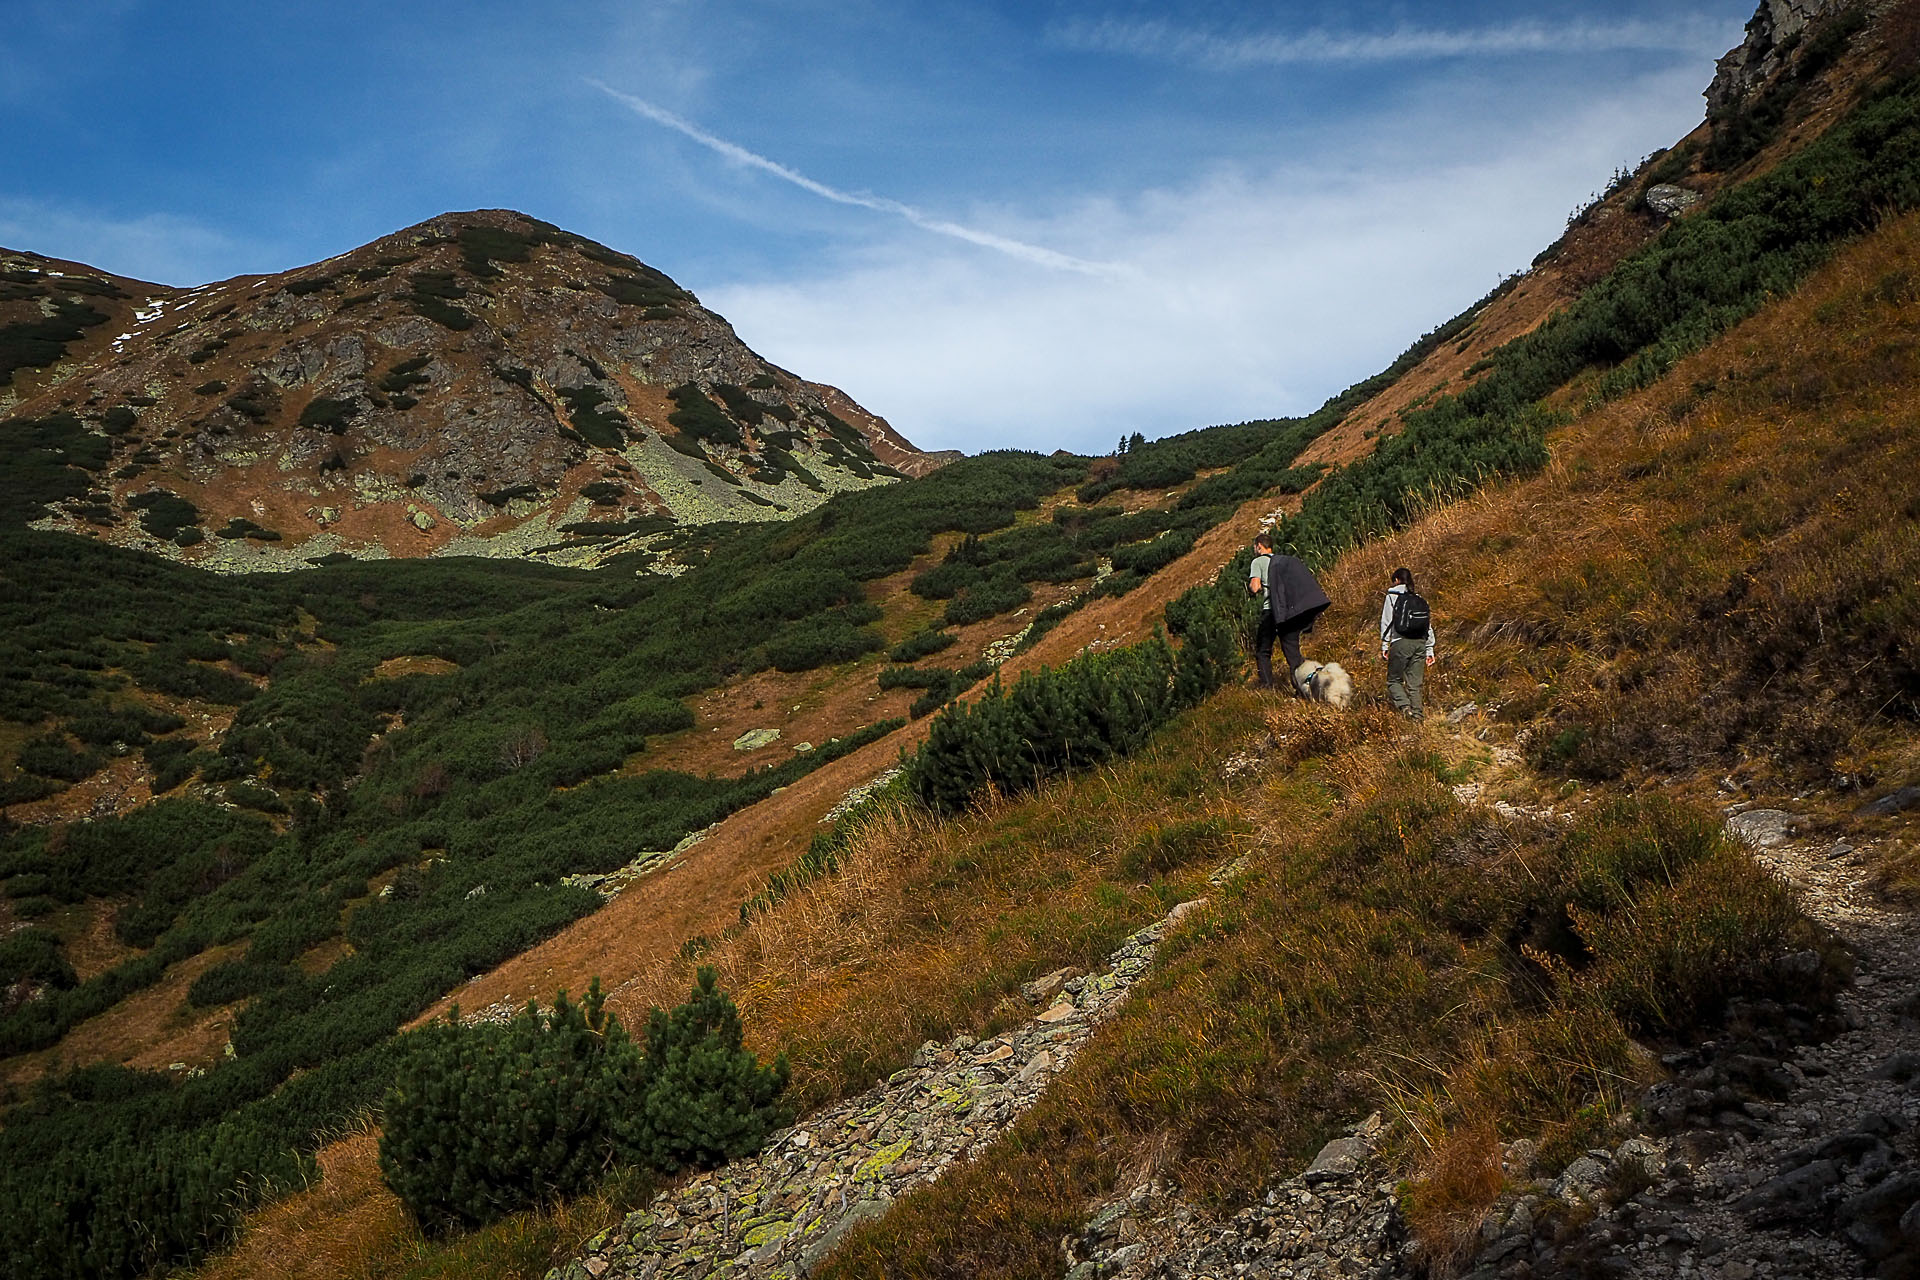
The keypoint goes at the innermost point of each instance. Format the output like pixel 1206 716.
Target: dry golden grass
pixel 1458 1180
pixel 339 1226
pixel 1676 586
pixel 929 927
pixel 348 1226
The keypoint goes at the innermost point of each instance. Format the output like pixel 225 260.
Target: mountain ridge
pixel 478 383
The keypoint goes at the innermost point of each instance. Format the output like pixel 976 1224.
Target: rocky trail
pixel 1788 1148
pixel 779 1213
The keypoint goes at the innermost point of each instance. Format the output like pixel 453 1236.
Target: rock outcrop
pixel 1770 36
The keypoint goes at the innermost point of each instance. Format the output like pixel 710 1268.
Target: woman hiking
pixel 1406 643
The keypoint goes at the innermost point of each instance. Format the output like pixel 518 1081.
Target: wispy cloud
pixel 1260 288
pixel 1221 49
pixel 879 204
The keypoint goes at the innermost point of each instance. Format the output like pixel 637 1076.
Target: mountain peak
pixel 482 382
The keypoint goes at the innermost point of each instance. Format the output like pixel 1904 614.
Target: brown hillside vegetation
pixel 1588 597
pixel 1619 221
pixel 1650 617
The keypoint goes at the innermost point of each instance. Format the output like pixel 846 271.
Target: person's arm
pixel 1429 641
pixel 1386 624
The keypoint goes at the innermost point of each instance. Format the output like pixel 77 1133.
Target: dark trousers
pixel 1289 640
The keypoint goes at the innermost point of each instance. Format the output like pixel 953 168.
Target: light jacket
pixel 1387 634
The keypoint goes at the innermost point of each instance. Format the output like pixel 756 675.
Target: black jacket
pixel 1291 590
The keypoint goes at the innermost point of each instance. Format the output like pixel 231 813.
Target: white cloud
pixel 1682 33
pixel 1256 293
pixel 160 247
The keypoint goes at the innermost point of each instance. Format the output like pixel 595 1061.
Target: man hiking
pixel 1291 602
pixel 1406 643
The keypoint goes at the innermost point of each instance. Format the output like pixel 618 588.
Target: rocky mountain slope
pixel 482 383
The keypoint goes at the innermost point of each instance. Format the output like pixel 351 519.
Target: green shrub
pixel 49 756
pixel 257 402
pixel 35 344
pixel 920 644
pixel 432 294
pixel 164 514
pixel 237 980
pixel 329 415
pixel 700 1098
pixel 819 642
pixel 482 246
pixel 699 418
pixel 485 1120
pixel 945 580
pixel 33 955
pixel 991 596
pixel 600 426
pixel 406 375
pixel 744 408
pixel 46 460
pixel 644 288
pixel 1148 558
pixel 1095 708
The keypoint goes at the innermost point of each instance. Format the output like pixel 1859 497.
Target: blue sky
pixel 1042 224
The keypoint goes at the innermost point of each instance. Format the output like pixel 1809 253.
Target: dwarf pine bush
pixel 700 1098
pixel 1095 708
pixel 485 1120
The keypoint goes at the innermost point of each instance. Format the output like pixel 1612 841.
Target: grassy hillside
pixel 1670 538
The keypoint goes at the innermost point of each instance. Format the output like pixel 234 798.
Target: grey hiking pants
pixel 1407 675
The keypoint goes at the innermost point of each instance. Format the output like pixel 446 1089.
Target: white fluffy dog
pixel 1326 682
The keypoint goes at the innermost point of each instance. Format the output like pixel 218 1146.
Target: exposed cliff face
pixel 481 383
pixel 1771 34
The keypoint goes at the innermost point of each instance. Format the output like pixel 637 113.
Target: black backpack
pixel 1411 617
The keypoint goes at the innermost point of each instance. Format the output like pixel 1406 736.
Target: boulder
pixel 1762 828
pixel 1670 201
pixel 1891 803
pixel 1339 1159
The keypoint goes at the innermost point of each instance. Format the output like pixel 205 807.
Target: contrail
pixel 740 155
pixel 1212 48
